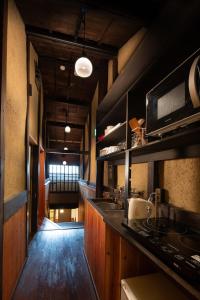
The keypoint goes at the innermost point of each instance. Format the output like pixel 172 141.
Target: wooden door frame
pixel 36 149
pixel 3 56
pixel 35 188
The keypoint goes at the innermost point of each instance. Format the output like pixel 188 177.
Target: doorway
pixel 32 206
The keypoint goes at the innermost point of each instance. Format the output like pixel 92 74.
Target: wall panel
pixel 181 180
pixel 15 104
pixel 14 251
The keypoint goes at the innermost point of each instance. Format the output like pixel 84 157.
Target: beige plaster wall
pixel 127 50
pixel 105 177
pixel 93 138
pixel 15 104
pixel 110 74
pixel 139 177
pixel 181 179
pixel 124 54
pixel 33 100
pixel 120 175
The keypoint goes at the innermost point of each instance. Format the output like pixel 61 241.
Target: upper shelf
pixel 120 155
pixel 117 135
pixel 180 145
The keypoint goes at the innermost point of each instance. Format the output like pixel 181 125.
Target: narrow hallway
pixel 56 267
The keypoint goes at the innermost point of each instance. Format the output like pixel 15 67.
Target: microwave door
pixel 194 82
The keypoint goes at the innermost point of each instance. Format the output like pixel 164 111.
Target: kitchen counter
pixel 114 219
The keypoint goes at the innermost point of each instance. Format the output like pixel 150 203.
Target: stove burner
pixel 191 242
pixel 163 226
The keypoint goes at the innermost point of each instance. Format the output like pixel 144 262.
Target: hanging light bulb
pixel 83 67
pixel 64 162
pixel 65 148
pixel 67 129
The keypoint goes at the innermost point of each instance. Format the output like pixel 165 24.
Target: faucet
pixel 156 201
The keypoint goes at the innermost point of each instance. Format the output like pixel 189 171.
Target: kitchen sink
pixel 108 205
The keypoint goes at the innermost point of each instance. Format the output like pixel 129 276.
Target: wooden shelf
pixel 113 156
pixel 117 135
pixel 181 145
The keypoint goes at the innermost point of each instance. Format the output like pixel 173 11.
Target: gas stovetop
pixel 176 244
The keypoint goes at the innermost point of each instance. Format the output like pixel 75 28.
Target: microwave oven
pixel 175 101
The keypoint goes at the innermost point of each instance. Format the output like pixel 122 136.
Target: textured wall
pixel 93 138
pixel 105 177
pixel 181 179
pixel 16 104
pixel 124 54
pixel 110 74
pixel 139 177
pixel 33 100
pixel 127 50
pixel 120 175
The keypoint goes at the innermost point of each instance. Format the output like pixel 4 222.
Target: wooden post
pixel 99 178
pixel 3 51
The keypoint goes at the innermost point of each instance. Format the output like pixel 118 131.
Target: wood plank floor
pixel 56 268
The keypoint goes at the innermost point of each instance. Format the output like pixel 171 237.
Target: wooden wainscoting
pixel 14 251
pixel 86 191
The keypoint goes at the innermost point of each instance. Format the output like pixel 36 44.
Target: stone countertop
pixel 114 219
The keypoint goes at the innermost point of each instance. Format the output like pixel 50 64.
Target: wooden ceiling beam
pixel 68 101
pixel 105 50
pixel 79 21
pixel 61 151
pixel 56 60
pixel 63 124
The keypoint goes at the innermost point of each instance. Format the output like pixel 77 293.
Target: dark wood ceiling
pixel 55 29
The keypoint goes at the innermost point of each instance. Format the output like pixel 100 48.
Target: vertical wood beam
pixel 89 142
pixel 3 60
pixel 27 157
pixel 99 178
pixel 112 176
pixel 127 159
pixel 127 181
pixel 103 81
pixel 153 176
pixel 83 155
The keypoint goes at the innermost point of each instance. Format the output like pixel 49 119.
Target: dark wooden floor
pixel 56 268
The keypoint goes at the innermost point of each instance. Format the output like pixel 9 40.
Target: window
pixel 63 178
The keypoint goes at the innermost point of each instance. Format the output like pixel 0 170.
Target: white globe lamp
pixel 83 67
pixel 67 129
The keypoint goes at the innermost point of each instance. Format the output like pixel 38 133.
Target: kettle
pixel 140 208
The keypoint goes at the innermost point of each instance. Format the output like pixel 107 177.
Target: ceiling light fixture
pixel 64 162
pixel 65 148
pixel 67 127
pixel 83 66
pixel 62 67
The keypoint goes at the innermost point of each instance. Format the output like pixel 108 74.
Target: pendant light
pixel 67 127
pixel 83 66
